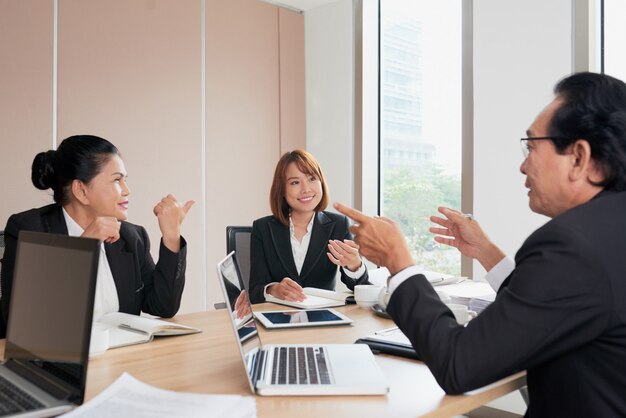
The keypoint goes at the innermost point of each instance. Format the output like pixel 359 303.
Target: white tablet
pixel 301 318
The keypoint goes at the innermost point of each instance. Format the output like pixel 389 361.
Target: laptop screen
pixel 241 318
pixel 52 307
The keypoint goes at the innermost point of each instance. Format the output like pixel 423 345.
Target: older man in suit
pixel 561 312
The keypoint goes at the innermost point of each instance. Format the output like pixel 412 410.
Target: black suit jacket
pixel 561 315
pixel 271 258
pixel 141 285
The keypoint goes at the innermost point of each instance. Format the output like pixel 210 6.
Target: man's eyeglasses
pixel 524 142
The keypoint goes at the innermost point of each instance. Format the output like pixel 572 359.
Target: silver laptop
pixel 47 344
pixel 295 369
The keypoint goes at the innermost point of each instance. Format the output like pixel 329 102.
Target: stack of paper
pixel 475 295
pixel 479 304
pixel 128 397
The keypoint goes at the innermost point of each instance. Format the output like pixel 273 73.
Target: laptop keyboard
pixel 14 399
pixel 300 366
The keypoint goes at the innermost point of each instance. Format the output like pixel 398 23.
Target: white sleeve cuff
pixel 400 277
pixel 265 289
pixel 500 272
pixel 354 274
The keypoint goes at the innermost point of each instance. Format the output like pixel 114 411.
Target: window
pixel 613 55
pixel 420 120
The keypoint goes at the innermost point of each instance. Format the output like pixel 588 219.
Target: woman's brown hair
pixel 307 164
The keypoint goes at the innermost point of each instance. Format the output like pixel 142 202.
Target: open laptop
pixel 47 345
pixel 295 369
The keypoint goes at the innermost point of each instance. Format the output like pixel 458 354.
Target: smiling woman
pixel 88 179
pixel 287 247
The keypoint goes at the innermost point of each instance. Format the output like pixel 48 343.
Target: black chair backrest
pixel 1 255
pixel 238 240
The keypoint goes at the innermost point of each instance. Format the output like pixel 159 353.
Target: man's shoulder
pixel 607 208
pixel 604 203
pixel 585 225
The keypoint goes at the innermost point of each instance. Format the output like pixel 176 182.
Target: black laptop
pixel 47 345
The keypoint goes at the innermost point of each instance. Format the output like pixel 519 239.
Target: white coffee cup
pixel 99 342
pixel 383 298
pixel 462 314
pixel 366 295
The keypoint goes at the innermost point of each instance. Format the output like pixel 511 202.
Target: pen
pixel 129 328
pixel 386 331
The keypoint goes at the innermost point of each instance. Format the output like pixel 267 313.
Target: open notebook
pixel 315 298
pixel 126 329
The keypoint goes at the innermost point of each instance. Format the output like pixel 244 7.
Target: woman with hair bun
pixel 88 180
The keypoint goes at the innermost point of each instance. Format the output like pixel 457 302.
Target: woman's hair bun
pixel 43 170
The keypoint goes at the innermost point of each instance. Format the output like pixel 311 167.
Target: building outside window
pixel 420 120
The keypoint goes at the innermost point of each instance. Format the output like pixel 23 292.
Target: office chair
pixel 1 255
pixel 3 330
pixel 238 240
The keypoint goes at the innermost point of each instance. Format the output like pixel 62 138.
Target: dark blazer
pixel 141 285
pixel 561 315
pixel 271 258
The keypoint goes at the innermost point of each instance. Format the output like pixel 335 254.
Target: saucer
pixel 378 310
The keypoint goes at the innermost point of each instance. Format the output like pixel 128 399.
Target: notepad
pixel 315 298
pixel 390 341
pixel 391 336
pixel 126 329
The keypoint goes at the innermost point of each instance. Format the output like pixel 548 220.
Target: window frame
pixel 368 148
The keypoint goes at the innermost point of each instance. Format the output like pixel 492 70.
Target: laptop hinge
pixel 40 379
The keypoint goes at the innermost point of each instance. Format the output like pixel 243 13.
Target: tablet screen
pixel 302 318
pixel 323 315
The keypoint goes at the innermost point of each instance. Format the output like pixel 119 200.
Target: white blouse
pixel 300 248
pixel 106 300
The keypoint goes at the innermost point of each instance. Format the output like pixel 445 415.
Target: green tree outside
pixel 410 197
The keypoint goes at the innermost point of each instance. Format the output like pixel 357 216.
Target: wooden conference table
pixel 210 363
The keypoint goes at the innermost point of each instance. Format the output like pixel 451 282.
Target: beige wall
pixel 25 100
pixel 131 71
pixel 292 81
pixel 242 118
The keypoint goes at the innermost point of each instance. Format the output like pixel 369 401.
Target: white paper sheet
pixel 129 397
